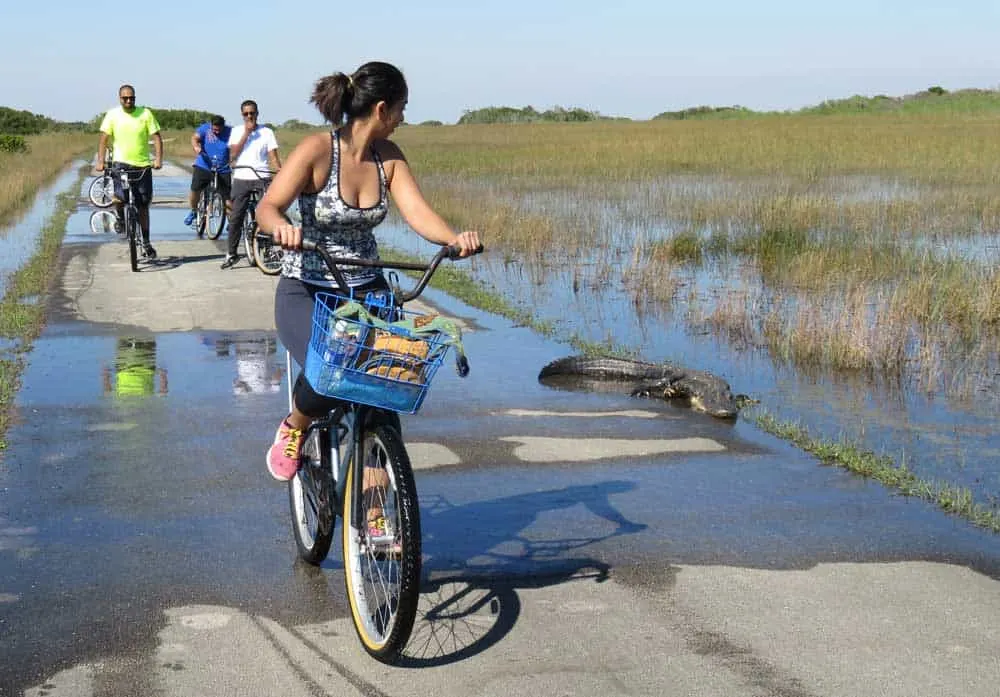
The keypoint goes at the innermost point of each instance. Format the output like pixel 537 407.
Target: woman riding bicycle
pixel 342 180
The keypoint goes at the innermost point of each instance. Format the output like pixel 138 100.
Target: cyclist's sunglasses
pixel 128 98
pixel 249 113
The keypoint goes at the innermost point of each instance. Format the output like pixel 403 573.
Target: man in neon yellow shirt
pixel 130 128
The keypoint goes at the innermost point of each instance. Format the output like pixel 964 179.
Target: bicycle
pixel 260 250
pixel 102 187
pixel 210 215
pixel 130 212
pixel 362 436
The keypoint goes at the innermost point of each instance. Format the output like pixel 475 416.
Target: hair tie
pixel 350 82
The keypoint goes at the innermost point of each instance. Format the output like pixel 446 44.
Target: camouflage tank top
pixel 345 231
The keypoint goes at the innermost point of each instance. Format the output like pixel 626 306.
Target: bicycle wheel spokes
pixel 201 215
pixel 102 191
pixel 382 563
pixel 310 494
pixel 267 255
pixel 216 214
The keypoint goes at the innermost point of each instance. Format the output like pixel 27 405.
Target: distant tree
pixel 702 112
pixel 528 114
pixel 169 119
pixel 938 90
pixel 296 125
pixel 432 122
pixel 21 122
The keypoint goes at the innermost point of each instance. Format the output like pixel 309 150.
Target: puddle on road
pixel 79 370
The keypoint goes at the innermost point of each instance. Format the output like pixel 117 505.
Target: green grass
pixel 22 309
pixel 850 456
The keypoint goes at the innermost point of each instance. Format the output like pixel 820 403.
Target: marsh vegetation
pixel 856 252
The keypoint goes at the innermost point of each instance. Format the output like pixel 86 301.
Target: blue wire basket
pixel 351 359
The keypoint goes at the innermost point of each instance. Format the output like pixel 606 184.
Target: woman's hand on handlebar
pixel 287 235
pixel 468 242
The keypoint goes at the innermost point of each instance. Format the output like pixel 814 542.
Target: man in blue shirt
pixel 211 147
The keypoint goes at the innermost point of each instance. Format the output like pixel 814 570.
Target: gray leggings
pixel 293 309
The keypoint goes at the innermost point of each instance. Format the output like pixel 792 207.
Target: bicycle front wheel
pixel 215 213
pixel 267 254
pixel 132 233
pixel 102 191
pixel 311 497
pixel 382 559
pixel 247 233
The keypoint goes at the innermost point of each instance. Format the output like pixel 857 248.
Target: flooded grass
pixel 23 174
pixel 828 209
pixel 22 308
pixel 859 248
pixel 955 500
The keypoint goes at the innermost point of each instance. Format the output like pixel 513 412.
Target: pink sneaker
pixel 283 456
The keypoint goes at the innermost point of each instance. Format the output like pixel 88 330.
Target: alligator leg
pixel 665 388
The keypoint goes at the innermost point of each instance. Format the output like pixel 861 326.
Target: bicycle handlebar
pixel 215 162
pixel 332 262
pixel 139 173
pixel 262 174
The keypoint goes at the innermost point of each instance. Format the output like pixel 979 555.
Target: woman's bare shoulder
pixel 315 143
pixel 388 150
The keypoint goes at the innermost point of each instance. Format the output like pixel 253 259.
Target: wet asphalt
pixel 575 542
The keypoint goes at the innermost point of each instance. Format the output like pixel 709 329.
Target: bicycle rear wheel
pixel 311 497
pixel 249 227
pixel 132 233
pixel 215 213
pixel 267 254
pixel 102 191
pixel 382 573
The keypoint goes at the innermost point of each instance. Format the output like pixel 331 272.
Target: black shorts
pixel 140 182
pixel 201 178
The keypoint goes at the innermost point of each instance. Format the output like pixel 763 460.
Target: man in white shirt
pixel 250 145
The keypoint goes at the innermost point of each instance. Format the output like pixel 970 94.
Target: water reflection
pixel 259 369
pixel 103 222
pixel 134 372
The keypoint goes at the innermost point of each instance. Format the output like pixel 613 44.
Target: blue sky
pixel 633 58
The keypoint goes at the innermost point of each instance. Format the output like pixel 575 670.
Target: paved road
pixel 577 544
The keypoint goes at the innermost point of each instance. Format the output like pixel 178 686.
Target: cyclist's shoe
pixel 382 537
pixel 119 228
pixel 189 220
pixel 283 457
pixel 230 261
pixel 148 251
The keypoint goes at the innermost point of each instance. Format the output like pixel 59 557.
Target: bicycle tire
pixel 383 587
pixel 102 191
pixel 200 215
pixel 132 233
pixel 215 214
pixel 267 255
pixel 311 495
pixel 249 226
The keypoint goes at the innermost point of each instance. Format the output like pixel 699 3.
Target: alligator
pixel 702 391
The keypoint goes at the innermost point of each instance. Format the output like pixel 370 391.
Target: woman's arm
pixel 297 175
pixel 414 207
